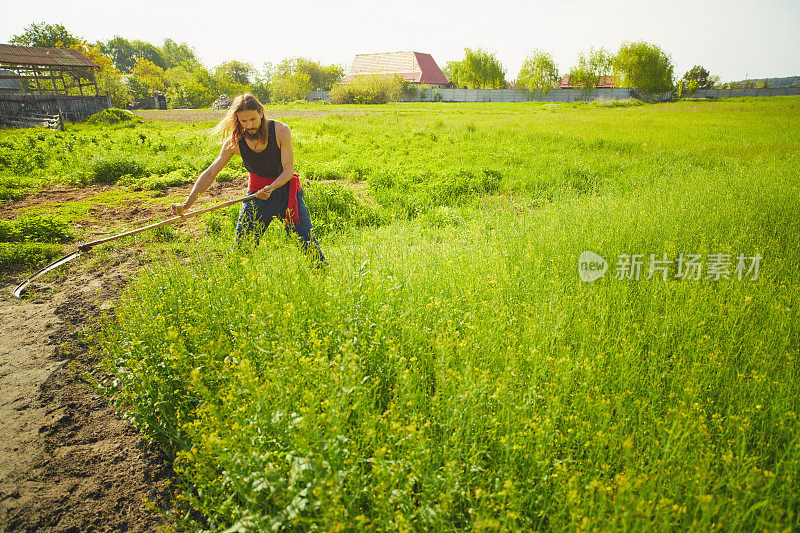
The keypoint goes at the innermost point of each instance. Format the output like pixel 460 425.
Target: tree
pixel 152 53
pixel 293 78
pixel 186 89
pixel 644 66
pixel 148 78
pixel 47 35
pixel 235 72
pixel 121 51
pixel 448 70
pixel 591 67
pixel 109 78
pixel 233 77
pixel 179 55
pixel 478 70
pixel 538 72
pixel 322 78
pixel 701 76
pixel 125 53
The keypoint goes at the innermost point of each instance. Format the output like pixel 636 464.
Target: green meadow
pixel 449 370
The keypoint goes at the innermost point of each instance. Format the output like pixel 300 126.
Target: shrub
pixel 109 171
pixel 14 188
pixel 112 116
pixel 38 228
pixel 23 159
pixel 18 257
pixel 370 89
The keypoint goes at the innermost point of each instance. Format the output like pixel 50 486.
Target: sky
pixel 732 39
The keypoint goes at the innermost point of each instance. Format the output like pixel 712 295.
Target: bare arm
pixel 206 179
pixel 284 138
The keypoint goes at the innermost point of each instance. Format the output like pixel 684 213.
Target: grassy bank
pixel 450 371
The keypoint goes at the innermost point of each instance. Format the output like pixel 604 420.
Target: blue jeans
pixel 256 214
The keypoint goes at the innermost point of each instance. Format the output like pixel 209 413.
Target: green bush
pixel 371 89
pixel 109 171
pixel 22 256
pixel 22 158
pixel 36 228
pixel 14 188
pixel 113 116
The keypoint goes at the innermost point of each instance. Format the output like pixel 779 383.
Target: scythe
pixel 89 245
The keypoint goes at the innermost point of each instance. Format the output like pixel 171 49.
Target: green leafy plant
pixel 35 228
pixel 112 116
pixel 109 171
pixel 368 89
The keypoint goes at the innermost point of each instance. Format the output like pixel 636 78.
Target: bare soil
pixel 68 461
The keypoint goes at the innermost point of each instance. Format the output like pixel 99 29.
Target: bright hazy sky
pixel 733 39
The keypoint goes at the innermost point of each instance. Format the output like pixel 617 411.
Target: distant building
pixel 414 67
pixel 605 82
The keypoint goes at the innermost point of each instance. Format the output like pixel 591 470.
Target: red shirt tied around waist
pixel 256 183
pixel 266 149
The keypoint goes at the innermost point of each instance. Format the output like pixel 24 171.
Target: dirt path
pixel 68 462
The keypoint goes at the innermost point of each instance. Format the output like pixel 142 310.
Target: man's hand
pixel 264 193
pixel 177 209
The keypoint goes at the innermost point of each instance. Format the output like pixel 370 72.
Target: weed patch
pixel 35 228
pixel 26 256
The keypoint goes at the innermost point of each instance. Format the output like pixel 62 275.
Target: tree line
pixel 133 69
pixel 639 65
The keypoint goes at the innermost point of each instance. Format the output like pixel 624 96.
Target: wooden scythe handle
pixel 172 220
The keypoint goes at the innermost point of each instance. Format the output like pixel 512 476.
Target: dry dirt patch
pixel 68 462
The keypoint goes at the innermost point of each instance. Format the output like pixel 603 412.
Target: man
pixel 265 147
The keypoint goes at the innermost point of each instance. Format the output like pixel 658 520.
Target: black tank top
pixel 267 162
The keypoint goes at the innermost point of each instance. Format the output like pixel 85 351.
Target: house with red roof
pixel 414 67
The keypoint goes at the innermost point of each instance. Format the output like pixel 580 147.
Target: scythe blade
pixel 67 258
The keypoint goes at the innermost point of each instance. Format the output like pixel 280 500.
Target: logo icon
pixel 591 266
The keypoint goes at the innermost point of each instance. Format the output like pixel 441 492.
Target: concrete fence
pixel 737 93
pixel 70 107
pixel 516 95
pixel 436 94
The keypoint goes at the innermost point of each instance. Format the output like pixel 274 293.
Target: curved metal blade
pixel 45 270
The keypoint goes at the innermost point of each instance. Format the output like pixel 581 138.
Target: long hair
pixel 229 125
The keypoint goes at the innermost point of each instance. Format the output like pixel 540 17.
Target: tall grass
pixel 451 372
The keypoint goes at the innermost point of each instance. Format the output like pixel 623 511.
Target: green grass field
pixel 449 370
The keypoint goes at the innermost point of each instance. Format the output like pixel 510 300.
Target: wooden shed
pixel 48 70
pixel 51 81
